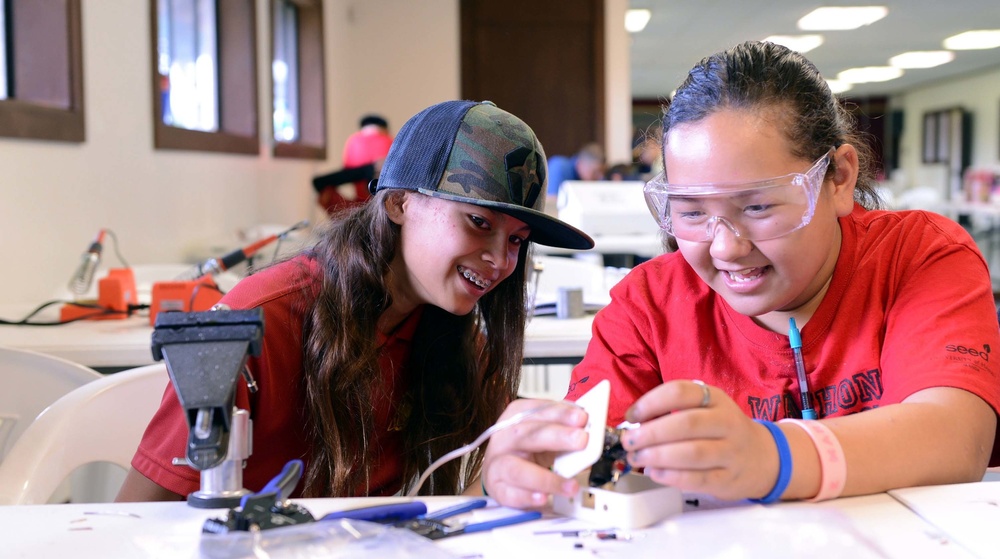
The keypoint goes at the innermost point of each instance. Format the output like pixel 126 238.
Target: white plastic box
pixel 635 502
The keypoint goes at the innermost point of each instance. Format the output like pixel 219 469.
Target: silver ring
pixel 706 396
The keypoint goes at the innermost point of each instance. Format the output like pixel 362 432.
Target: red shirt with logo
pixel 910 306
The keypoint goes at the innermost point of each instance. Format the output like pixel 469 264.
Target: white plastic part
pixel 595 402
pixel 635 501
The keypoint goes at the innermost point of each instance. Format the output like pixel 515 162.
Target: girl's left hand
pixel 712 448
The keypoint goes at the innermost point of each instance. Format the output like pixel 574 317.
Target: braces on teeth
pixel 474 278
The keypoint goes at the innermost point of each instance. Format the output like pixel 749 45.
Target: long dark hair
pixel 462 370
pixel 765 76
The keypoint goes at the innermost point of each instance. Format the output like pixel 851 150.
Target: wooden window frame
pixel 20 117
pixel 311 86
pixel 239 132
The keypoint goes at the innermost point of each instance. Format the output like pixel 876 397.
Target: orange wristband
pixel 833 466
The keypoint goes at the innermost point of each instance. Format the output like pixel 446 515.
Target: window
pixel 297 77
pixel 187 45
pixel 3 49
pixel 41 88
pixel 285 72
pixel 204 75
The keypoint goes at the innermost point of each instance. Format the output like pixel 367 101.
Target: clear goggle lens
pixel 756 211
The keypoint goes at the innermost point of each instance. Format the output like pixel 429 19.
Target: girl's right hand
pixel 516 468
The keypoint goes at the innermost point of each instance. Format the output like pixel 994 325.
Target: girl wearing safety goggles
pixel 768 193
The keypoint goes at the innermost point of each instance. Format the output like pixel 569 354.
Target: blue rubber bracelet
pixel 482 484
pixel 784 464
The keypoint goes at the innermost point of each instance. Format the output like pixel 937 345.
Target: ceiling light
pixel 870 74
pixel 839 18
pixel 636 20
pixel 798 43
pixel 838 86
pixel 974 40
pixel 922 59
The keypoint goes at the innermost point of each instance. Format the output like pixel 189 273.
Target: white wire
pixel 462 451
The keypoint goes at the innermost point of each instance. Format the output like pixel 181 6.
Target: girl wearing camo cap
pixel 398 337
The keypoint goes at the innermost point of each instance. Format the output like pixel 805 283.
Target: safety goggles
pixel 756 211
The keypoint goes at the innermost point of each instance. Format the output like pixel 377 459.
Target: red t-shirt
pixel 910 306
pixel 363 147
pixel 285 292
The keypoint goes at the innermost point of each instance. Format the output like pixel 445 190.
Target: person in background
pixel 364 152
pixel 646 153
pixel 587 165
pixel 768 190
pixel 398 337
pixel 620 172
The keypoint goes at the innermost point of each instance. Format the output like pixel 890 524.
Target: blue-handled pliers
pixel 270 508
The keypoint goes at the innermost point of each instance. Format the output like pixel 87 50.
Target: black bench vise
pixel 205 353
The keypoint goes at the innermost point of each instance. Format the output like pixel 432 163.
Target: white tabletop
pixel 114 343
pixel 125 343
pixel 859 527
pixel 648 246
pixel 968 513
pixel 557 338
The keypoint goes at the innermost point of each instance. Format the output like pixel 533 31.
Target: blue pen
pixel 795 340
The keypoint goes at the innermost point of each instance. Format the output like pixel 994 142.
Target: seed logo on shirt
pixel 983 353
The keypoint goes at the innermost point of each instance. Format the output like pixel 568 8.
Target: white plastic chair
pixel 29 382
pixel 101 421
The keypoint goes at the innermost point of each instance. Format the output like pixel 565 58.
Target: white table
pixel 647 246
pixel 968 514
pixel 859 527
pixel 110 345
pixel 548 339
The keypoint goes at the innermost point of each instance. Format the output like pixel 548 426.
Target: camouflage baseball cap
pixel 479 154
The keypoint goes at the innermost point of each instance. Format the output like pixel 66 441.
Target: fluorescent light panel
pixel 839 18
pixel 839 86
pixel 974 40
pixel 798 43
pixel 922 59
pixel 869 74
pixel 636 20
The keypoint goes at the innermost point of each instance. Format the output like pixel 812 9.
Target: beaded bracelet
pixel 784 464
pixel 833 466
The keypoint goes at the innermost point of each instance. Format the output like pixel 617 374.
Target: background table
pixel 647 246
pixel 113 345
pixel 104 345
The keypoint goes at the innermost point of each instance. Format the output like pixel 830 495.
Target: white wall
pixel 169 206
pixel 393 57
pixel 980 94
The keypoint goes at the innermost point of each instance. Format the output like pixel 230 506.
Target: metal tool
pixel 268 508
pixel 205 353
